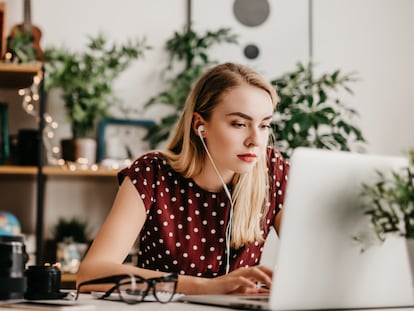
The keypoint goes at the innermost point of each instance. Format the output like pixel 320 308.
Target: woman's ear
pixel 198 124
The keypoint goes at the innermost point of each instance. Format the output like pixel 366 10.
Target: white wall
pixel 374 38
pixel 69 23
pixel 282 39
pixel 371 37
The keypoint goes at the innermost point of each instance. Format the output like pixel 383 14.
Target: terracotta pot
pixel 79 150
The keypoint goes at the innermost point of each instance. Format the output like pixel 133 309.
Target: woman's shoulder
pixel 148 164
pixel 151 157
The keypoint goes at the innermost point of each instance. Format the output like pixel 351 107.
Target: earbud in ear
pixel 200 129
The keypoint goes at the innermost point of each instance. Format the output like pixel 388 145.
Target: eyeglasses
pixel 133 289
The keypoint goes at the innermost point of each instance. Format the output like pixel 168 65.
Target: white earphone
pixel 200 130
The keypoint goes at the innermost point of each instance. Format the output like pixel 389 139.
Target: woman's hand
pixel 249 280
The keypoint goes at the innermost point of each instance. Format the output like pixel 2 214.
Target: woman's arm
pixel 116 237
pixel 118 234
pixel 278 220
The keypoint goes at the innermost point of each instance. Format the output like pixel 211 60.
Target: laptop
pixel 319 264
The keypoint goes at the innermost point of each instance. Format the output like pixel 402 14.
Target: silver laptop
pixel 319 264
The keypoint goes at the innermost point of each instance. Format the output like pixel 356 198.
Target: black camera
pixel 13 258
pixel 43 282
pixel 37 282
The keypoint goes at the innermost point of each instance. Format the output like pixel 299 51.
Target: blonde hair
pixel 187 156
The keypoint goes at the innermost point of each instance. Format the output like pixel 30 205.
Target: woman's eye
pixel 236 124
pixel 266 126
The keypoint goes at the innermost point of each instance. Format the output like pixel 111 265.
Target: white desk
pixel 106 305
pixel 94 304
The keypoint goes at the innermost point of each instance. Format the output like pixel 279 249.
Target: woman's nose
pixel 253 138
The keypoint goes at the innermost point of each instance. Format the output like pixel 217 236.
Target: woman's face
pixel 238 130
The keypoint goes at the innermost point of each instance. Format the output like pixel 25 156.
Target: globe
pixel 9 224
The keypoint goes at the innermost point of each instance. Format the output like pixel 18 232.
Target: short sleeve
pixel 144 174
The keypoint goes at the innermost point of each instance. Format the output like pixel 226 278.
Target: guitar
pixel 24 39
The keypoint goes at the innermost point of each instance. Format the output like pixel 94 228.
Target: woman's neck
pixel 210 181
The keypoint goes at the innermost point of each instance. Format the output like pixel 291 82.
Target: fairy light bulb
pixel 29 96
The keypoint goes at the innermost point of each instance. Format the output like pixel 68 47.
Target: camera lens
pixel 43 282
pixel 12 261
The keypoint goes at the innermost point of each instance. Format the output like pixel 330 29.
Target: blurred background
pixel 373 38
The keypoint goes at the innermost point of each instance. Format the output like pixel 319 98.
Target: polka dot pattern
pixel 185 227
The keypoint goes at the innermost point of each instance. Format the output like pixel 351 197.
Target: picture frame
pixel 122 139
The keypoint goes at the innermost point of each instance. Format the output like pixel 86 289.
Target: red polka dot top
pixel 185 227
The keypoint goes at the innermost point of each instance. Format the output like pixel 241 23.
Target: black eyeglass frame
pixel 117 280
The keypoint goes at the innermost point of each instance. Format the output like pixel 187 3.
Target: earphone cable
pixel 232 200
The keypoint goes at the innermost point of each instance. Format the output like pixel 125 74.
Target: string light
pixel 31 95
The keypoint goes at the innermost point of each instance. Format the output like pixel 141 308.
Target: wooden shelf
pixel 68 281
pixel 18 75
pixel 68 277
pixel 55 171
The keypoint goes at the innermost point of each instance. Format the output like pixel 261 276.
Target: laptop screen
pixel 320 265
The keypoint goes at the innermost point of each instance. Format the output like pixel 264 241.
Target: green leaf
pixel 314 104
pixel 187 49
pixel 86 78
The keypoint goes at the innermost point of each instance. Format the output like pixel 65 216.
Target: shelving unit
pixel 17 76
pixel 68 280
pixel 55 171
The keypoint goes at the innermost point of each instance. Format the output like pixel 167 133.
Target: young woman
pixel 203 207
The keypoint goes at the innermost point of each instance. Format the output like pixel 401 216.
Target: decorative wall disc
pixel 251 51
pixel 251 13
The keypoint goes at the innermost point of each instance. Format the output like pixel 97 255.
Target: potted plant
pixel 311 113
pixel 188 55
pixel 71 230
pixel 389 204
pixel 71 239
pixel 21 48
pixel 86 78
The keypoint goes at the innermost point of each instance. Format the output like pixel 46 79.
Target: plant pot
pixel 69 255
pixel 79 150
pixel 409 242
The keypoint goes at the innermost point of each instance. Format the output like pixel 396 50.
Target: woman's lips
pixel 249 157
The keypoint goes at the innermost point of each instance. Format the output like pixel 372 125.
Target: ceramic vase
pixel 82 150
